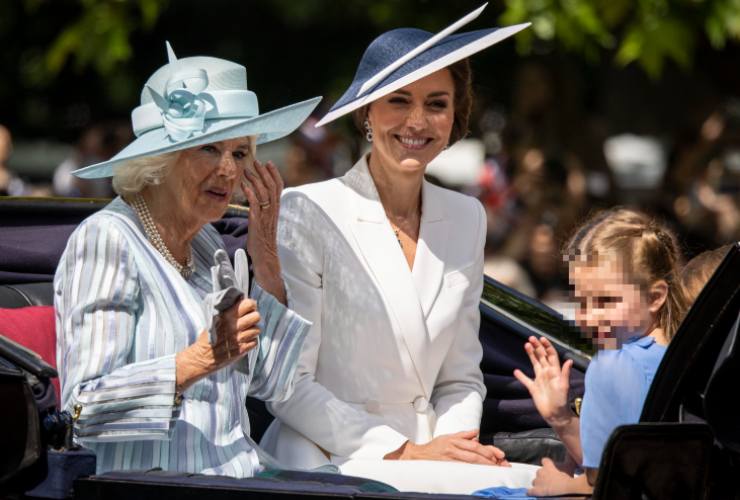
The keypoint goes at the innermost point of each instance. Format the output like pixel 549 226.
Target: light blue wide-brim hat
pixel 199 100
pixel 402 56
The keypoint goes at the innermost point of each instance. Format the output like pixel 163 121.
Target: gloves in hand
pixel 230 285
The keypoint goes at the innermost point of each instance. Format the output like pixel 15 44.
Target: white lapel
pixel 431 248
pixel 384 259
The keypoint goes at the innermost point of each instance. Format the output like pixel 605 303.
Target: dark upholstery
pixel 633 467
pixel 26 294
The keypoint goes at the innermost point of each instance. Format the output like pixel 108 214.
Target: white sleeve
pixel 459 389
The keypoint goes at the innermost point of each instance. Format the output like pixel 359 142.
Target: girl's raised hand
pixel 549 388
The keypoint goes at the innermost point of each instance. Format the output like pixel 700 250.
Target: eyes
pixel 599 302
pixel 437 103
pixel 239 154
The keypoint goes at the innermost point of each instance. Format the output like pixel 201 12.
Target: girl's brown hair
pixel 462 78
pixel 648 251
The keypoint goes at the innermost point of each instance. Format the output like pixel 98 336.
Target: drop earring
pixel 368 130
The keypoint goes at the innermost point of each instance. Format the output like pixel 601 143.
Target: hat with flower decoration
pixel 402 56
pixel 199 100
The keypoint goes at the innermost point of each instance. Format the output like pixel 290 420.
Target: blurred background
pixel 601 102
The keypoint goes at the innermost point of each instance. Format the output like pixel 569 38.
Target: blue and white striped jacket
pixel 122 314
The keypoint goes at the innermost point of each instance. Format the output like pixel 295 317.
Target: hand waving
pixel 549 389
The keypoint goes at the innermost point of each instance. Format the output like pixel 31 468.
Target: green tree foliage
pixel 100 36
pixel 646 32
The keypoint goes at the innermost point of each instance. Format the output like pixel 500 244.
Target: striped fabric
pixel 122 313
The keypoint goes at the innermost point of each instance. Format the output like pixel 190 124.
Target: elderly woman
pixel 390 269
pixel 157 349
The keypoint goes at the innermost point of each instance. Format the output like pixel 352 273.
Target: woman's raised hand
pixel 262 186
pixel 549 389
pixel 237 334
pixel 458 447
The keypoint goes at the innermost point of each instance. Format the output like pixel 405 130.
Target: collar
pixel 643 341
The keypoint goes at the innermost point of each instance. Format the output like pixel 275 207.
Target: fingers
pixel 490 453
pixel 471 434
pixel 470 457
pixel 246 306
pixel 566 369
pixel 255 180
pixel 247 336
pixel 254 204
pixel 265 183
pixel 525 380
pixel 552 354
pixel 276 177
pixel 266 179
pixel 540 352
pixel 498 453
pixel 247 321
pixel 529 349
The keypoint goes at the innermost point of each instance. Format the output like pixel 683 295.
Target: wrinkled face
pixel 413 124
pixel 204 178
pixel 609 309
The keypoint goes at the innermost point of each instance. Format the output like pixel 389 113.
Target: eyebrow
pixel 433 94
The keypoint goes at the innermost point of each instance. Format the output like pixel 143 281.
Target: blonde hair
pixel 648 252
pixel 132 176
pixel 698 270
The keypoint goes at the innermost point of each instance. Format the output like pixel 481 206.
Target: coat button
pixel 421 404
pixel 372 406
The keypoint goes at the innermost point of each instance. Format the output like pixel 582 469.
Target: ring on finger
pixel 264 205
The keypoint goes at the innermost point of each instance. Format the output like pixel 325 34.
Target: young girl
pixel 624 268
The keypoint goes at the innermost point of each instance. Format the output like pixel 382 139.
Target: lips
pixel 219 194
pixel 413 143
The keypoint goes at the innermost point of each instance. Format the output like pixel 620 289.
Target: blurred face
pixel 204 178
pixel 413 124
pixel 609 309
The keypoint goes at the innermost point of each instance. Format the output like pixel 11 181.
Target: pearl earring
pixel 368 130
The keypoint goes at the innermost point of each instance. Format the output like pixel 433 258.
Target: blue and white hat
pixel 402 56
pixel 198 100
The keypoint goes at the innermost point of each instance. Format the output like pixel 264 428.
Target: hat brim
pixel 448 51
pixel 267 127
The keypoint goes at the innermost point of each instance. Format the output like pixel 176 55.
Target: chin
pixel 412 164
pixel 213 213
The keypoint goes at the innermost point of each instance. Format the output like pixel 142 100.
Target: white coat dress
pixel 393 353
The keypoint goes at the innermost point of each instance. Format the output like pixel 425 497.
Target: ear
pixel 657 295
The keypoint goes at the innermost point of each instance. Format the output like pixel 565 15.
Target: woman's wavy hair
pixel 462 78
pixel 647 249
pixel 132 176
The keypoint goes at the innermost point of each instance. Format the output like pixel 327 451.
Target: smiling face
pixel 610 309
pixel 413 124
pixel 201 183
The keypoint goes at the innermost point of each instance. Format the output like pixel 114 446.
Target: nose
pixel 416 118
pixel 227 166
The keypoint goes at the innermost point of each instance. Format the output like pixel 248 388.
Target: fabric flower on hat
pixel 184 105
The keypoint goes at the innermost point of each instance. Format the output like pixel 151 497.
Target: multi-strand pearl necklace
pixel 152 234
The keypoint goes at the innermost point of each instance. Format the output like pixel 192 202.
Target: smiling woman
pixel 388 384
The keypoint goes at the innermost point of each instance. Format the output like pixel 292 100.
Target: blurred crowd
pixel 536 175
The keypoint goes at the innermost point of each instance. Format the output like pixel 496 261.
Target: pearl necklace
pixel 152 234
